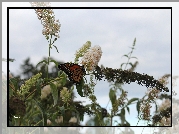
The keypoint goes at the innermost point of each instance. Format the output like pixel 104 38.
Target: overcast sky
pixel 112 29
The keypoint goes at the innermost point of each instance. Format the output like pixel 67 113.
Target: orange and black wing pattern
pixel 75 72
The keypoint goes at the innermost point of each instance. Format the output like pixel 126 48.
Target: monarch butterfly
pixel 75 72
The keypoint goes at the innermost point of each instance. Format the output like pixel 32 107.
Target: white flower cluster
pixel 45 91
pixel 91 58
pixel 49 122
pixel 73 120
pixel 59 119
pixel 47 17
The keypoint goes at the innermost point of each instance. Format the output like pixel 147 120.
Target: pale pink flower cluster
pixel 91 58
pixel 145 110
pixel 152 93
pixel 47 17
pixel 164 79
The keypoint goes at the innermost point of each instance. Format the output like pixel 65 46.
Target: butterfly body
pixel 75 72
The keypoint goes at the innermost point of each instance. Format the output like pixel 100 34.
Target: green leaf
pixel 134 57
pixel 122 111
pixel 39 106
pixel 156 107
pixel 62 110
pixel 125 55
pixel 54 91
pixel 138 107
pixel 60 73
pixel 42 62
pixel 123 64
pixel 122 115
pixel 128 110
pixel 81 117
pixel 112 96
pixel 15 83
pixel 63 78
pixel 56 48
pixel 79 88
pixel 132 100
pixel 130 63
pixel 56 63
pixel 38 86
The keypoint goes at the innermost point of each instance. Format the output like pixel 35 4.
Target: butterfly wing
pixel 75 72
pixel 65 67
pixel 77 75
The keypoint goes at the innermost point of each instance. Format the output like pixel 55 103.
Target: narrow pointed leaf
pixel 138 107
pixel 112 96
pixel 128 110
pixel 125 55
pixel 54 91
pixel 79 88
pixel 56 48
pixel 39 106
pixel 132 100
pixel 134 57
pixel 43 61
pixel 56 63
pixel 130 63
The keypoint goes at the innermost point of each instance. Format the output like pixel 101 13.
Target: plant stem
pixel 48 61
pixel 130 53
pixel 44 119
pixel 111 117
